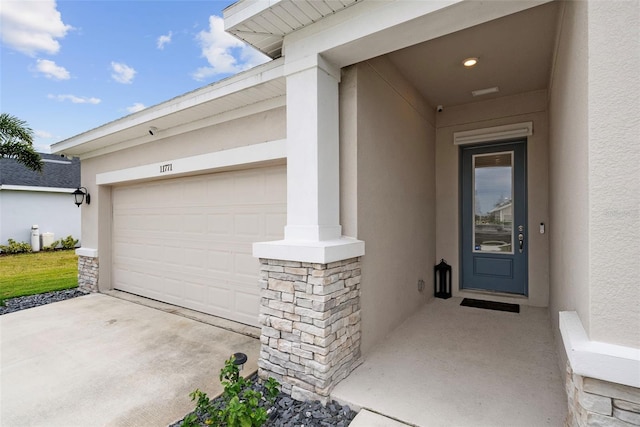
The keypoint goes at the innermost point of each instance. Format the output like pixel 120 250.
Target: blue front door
pixel 494 218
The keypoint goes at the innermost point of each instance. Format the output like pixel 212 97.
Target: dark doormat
pixel 490 305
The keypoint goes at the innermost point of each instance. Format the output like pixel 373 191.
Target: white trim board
pixel 87 252
pixel 320 252
pixel 250 154
pixel 39 189
pixel 495 133
pixel 593 359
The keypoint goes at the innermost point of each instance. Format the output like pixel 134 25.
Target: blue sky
pixel 70 66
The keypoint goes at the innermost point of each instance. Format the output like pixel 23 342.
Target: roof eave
pixel 264 24
pixel 264 73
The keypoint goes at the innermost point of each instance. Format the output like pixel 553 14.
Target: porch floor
pixel 449 365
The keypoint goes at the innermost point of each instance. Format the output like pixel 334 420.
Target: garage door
pixel 187 241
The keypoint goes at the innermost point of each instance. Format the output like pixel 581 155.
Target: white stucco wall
pixel 349 151
pixel 614 171
pixel 502 111
pixel 390 152
pixel 52 212
pixel 595 170
pixel 569 169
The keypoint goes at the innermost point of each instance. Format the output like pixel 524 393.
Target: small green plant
pixel 68 242
pixel 15 247
pixel 52 246
pixel 239 405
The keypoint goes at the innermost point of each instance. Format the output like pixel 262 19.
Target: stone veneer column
pixel 310 316
pixel 600 403
pixel 87 273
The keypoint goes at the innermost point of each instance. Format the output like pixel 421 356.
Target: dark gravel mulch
pixel 287 412
pixel 22 303
pixel 291 413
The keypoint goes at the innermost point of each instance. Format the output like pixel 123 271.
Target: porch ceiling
pixel 515 54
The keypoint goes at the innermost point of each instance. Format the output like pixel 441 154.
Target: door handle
pixel 521 237
pixel 521 241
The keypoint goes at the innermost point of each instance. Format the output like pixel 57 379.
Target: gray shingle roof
pixel 57 172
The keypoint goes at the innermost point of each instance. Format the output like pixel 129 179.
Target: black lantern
pixel 442 283
pixel 79 196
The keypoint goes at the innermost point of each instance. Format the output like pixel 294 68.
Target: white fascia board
pixel 38 189
pixel 59 162
pixel 320 252
pixel 247 155
pixel 87 252
pixel 257 75
pixel 593 359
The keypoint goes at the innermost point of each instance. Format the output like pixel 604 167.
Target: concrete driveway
pixel 101 361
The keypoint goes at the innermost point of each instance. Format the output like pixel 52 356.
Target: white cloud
pixel 51 70
pixel 225 53
pixel 42 134
pixel 75 99
pixel 32 26
pixel 42 148
pixel 122 73
pixel 138 106
pixel 163 40
pixel 38 144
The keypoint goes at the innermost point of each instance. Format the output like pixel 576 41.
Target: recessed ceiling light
pixel 470 62
pixel 480 92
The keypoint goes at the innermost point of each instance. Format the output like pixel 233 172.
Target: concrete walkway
pixel 449 365
pixel 101 361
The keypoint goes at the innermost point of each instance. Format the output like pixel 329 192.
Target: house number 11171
pixel 165 168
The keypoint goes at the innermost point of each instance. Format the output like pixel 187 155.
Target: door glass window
pixel 493 202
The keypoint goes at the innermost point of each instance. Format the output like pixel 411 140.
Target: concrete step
pixel 371 419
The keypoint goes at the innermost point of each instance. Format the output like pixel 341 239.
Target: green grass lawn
pixel 36 273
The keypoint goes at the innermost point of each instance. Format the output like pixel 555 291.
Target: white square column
pixel 313 187
pixel 313 232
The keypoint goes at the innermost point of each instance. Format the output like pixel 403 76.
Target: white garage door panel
pixel 187 241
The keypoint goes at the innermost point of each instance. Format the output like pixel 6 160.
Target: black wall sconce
pixel 79 196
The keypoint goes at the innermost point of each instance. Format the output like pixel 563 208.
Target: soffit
pixel 515 54
pixel 197 109
pixel 264 24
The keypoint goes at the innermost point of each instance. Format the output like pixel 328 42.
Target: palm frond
pixel 12 129
pixel 16 142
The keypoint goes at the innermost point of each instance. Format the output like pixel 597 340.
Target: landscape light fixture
pixel 239 359
pixel 79 196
